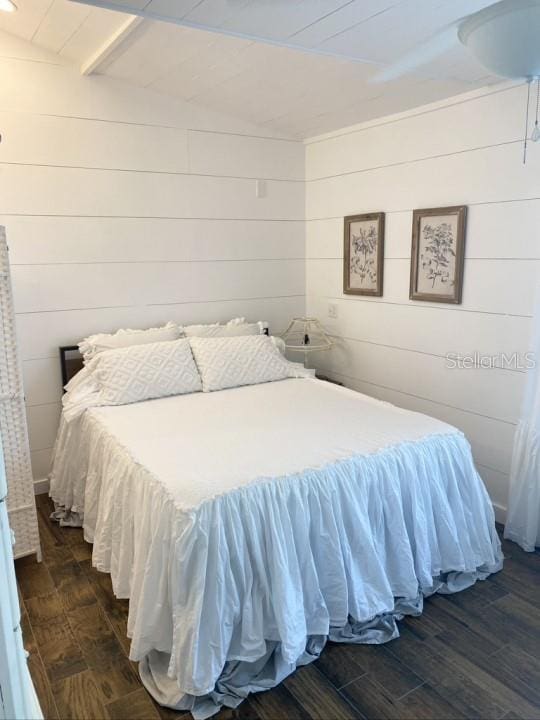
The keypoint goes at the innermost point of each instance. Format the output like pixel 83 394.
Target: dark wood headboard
pixel 71 360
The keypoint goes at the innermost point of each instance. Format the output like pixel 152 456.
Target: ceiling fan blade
pixel 437 45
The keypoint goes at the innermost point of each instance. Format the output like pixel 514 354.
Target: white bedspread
pixel 274 512
pixel 207 444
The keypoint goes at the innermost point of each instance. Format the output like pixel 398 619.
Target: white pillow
pixel 101 342
pixel 279 342
pixel 233 361
pixel 143 372
pixel 234 328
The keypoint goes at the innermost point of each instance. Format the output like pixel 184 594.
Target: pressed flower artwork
pixel 363 254
pixel 437 254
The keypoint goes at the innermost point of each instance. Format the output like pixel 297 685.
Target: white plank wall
pixel 465 151
pixel 124 208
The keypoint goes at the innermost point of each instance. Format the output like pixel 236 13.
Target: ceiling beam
pixel 96 60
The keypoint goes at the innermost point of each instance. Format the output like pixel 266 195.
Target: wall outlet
pixel 260 188
pixel 332 311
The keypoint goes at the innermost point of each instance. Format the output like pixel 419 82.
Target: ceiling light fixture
pixel 503 37
pixel 7 6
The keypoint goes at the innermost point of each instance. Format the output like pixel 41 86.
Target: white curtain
pixel 523 520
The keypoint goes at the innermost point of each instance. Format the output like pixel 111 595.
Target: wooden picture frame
pixel 438 254
pixel 363 254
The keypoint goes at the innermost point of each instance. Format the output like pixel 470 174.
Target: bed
pixel 248 526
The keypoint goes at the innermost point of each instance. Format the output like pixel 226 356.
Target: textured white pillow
pixel 143 372
pixel 234 328
pixel 233 361
pixel 279 343
pixel 101 342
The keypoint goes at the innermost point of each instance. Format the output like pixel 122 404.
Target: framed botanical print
pixel 437 254
pixel 363 254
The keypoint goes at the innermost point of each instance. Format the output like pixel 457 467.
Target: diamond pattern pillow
pixel 233 361
pixel 143 372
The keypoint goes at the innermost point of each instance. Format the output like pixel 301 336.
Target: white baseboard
pixel 41 486
pixel 500 513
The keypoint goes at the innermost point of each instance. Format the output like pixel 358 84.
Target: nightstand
pixel 327 379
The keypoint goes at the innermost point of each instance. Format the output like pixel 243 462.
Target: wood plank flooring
pixel 471 655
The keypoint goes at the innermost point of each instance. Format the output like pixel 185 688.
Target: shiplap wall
pixel 466 151
pixel 126 209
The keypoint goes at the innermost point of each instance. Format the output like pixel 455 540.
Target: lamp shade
pixel 306 334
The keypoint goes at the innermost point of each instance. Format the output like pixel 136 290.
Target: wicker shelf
pixel 20 500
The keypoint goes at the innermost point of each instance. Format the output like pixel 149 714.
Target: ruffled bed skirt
pixel 240 678
pixel 230 597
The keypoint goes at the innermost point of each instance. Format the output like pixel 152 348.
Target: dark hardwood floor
pixel 471 655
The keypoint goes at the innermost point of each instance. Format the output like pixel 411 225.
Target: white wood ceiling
pixel 71 30
pixel 293 67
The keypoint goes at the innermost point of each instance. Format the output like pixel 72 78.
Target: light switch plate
pixel 332 311
pixel 260 188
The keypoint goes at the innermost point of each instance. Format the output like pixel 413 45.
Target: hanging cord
pixel 526 120
pixel 535 135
